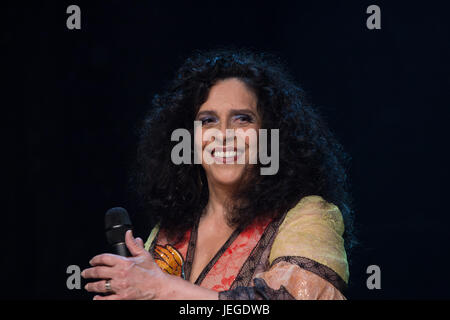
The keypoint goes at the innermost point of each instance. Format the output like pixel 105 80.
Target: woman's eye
pixel 206 120
pixel 244 118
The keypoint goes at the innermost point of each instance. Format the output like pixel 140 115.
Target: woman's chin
pixel 226 174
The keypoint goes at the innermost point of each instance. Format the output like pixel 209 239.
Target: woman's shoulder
pixel 312 231
pixel 314 209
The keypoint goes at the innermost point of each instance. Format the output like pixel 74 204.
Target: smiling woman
pixel 222 230
pixel 225 109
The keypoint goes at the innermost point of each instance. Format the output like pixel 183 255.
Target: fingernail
pixel 82 273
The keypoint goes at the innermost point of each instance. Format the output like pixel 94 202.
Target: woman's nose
pixel 228 135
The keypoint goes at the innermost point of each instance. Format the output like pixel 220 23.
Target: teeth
pixel 226 154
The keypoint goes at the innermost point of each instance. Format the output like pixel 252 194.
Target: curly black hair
pixel 312 161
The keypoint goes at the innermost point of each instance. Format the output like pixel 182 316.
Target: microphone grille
pixel 116 217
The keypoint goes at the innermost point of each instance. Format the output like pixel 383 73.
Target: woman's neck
pixel 216 208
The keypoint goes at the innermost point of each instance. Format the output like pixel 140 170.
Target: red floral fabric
pixel 224 272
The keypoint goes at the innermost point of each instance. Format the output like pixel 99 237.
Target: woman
pixel 223 230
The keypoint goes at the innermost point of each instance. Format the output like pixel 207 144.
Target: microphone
pixel 117 222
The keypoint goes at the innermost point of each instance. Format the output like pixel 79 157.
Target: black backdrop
pixel 72 99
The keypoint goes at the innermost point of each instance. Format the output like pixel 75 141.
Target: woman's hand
pixel 137 277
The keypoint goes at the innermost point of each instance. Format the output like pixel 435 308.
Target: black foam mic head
pixel 117 222
pixel 116 217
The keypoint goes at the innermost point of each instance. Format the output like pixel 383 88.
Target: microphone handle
pixel 121 249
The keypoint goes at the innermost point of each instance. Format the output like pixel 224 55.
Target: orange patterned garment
pixel 224 271
pixel 299 255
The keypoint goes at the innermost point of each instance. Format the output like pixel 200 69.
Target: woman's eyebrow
pixel 240 111
pixel 207 112
pixel 232 112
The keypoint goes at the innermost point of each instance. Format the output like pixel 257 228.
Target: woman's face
pixel 230 105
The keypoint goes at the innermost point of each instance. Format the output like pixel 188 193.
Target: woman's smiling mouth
pixel 227 155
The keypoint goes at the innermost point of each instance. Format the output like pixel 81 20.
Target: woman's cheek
pixel 199 145
pixel 248 139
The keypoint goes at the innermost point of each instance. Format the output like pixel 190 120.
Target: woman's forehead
pixel 230 94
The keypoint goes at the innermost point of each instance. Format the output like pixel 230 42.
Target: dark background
pixel 73 98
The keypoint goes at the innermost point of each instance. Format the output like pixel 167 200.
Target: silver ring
pixel 108 285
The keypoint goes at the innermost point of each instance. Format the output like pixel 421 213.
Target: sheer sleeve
pixel 307 259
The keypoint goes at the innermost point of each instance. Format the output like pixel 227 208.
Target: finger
pixel 132 245
pixel 99 286
pixel 99 272
pixel 106 259
pixel 140 242
pixel 110 297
